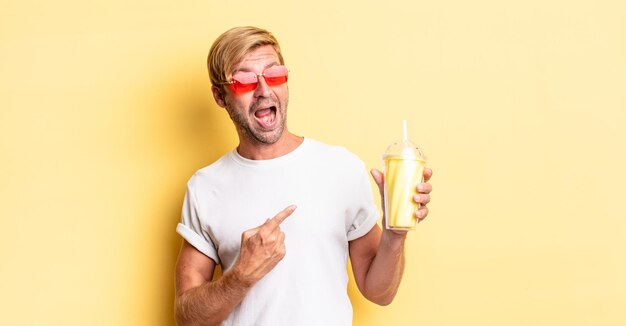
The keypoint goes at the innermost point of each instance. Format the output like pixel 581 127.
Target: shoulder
pixel 338 154
pixel 211 173
pixel 337 162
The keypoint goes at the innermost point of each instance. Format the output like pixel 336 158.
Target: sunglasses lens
pixel 239 88
pixel 275 75
pixel 245 77
pixel 243 82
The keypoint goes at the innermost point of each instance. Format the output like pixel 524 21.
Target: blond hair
pixel 232 46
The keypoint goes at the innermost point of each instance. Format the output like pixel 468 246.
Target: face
pixel 259 115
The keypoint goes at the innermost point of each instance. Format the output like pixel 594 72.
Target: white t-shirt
pixel 331 188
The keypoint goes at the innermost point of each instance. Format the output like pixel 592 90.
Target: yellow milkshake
pixel 404 170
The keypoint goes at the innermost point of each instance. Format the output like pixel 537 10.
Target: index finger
pixel 428 173
pixel 275 221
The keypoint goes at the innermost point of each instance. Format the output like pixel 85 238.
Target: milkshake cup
pixel 404 169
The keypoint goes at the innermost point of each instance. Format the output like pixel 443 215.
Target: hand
pixel 422 197
pixel 262 248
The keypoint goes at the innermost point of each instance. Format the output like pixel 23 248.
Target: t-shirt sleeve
pixel 191 227
pixel 364 213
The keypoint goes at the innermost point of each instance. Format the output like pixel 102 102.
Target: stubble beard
pixel 246 129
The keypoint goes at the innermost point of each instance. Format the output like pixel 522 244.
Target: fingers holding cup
pixel 423 195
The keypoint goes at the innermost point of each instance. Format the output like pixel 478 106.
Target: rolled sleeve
pixel 364 212
pixel 191 227
pixel 198 242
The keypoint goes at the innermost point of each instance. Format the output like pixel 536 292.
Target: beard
pixel 247 127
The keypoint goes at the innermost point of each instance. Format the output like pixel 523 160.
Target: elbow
pixel 385 302
pixel 381 299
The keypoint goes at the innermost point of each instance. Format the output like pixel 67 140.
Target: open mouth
pixel 266 117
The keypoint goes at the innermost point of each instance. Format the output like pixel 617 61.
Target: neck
pixel 258 151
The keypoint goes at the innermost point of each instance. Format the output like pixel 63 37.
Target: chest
pixel 249 199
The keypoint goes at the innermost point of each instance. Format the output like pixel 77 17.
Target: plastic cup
pixel 404 165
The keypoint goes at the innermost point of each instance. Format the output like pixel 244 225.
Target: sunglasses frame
pixel 240 88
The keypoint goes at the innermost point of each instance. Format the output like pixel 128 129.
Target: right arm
pixel 201 301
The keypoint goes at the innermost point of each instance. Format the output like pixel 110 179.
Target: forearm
pixel 210 303
pixel 385 272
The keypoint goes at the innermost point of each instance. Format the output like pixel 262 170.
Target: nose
pixel 262 90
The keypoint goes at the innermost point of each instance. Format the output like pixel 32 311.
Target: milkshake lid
pixel 404 148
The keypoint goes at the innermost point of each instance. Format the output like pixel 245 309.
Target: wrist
pixel 237 276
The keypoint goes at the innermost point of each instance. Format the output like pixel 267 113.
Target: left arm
pixel 378 257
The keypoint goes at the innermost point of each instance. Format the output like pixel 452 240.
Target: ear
pixel 218 96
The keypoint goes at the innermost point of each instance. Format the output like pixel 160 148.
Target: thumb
pixel 379 178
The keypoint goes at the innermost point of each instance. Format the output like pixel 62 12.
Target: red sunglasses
pixel 247 81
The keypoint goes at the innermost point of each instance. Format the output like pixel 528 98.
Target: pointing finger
pixel 275 221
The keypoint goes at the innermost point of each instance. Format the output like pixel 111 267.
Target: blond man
pixel 280 213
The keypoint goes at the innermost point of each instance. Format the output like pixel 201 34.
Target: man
pixel 281 213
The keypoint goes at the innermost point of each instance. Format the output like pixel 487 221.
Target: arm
pixel 200 301
pixel 378 257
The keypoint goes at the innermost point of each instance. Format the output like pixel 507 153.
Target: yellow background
pixel 105 112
